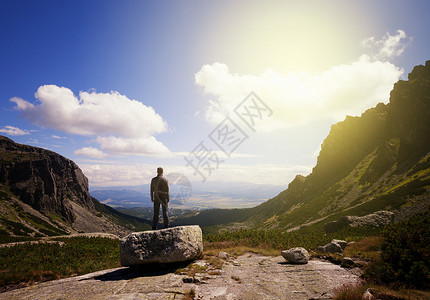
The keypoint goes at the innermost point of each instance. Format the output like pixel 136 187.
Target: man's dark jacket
pixel 160 189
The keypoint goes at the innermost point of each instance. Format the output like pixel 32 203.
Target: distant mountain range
pixel 378 161
pixel 198 196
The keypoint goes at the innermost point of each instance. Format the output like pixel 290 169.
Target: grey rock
pixel 374 220
pixel 347 262
pixel 367 295
pixel 341 243
pixel 223 255
pixel 296 255
pixel 169 245
pixel 335 246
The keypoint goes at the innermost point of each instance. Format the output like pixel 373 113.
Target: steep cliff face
pixel 346 145
pixel 43 179
pixel 43 193
pixel 409 115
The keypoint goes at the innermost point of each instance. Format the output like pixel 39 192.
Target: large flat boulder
pixel 169 245
pixel 296 255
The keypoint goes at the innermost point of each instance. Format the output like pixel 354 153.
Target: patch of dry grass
pixel 190 295
pixel 356 291
pixel 350 291
pixel 367 248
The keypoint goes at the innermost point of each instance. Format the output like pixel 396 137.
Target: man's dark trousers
pixel 157 203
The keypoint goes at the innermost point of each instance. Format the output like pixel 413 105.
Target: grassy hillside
pixel 18 221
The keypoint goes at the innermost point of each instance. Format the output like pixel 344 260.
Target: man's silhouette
pixel 160 195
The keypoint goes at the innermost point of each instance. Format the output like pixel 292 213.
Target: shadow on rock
pixel 146 270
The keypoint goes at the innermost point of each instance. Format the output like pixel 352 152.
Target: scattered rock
pixel 169 245
pixel 201 263
pixel 297 255
pixel 347 262
pixel 335 246
pixel 374 220
pixel 224 255
pixel 367 295
pixel 341 243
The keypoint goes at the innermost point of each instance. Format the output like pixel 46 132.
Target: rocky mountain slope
pixel 43 193
pixel 378 161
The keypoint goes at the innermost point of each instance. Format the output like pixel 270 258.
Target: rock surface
pixel 377 219
pixel 255 277
pixel 296 255
pixel 335 246
pixel 347 262
pixel 169 245
pixel 43 179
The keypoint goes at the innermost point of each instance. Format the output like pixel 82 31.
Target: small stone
pixel 368 295
pixel 347 262
pixel 297 255
pixel 341 243
pixel 332 247
pixel 200 263
pixel 224 255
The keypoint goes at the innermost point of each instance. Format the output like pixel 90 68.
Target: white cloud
pixel 90 152
pixel 106 115
pixel 147 145
pixel 299 98
pixel 57 137
pixel 388 47
pixel 13 131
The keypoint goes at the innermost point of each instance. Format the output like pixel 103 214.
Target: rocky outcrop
pixel 377 219
pixel 43 179
pixel 169 245
pixel 296 255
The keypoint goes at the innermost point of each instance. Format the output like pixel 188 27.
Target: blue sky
pixel 121 87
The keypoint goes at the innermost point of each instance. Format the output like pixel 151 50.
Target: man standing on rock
pixel 160 195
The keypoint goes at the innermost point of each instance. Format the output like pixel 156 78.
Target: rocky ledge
pixel 249 276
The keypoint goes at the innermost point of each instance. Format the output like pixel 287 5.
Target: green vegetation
pixel 405 256
pixel 40 262
pixel 15 227
pixel 279 240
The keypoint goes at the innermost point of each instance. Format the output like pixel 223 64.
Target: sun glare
pixel 285 41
